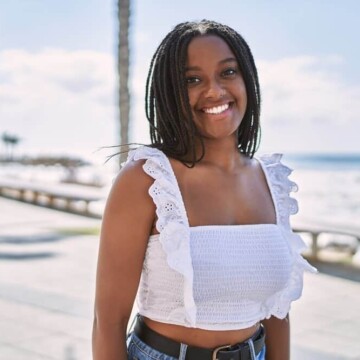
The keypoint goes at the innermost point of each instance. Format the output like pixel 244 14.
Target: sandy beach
pixel 47 278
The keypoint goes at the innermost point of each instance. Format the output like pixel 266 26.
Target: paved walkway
pixel 47 276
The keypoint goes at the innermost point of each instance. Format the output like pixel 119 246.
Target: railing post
pixel 51 201
pixel 86 210
pixel 22 194
pixel 68 205
pixel 35 197
pixel 314 245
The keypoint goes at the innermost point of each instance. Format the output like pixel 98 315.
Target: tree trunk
pixel 123 70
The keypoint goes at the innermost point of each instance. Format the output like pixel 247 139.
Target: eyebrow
pixel 196 68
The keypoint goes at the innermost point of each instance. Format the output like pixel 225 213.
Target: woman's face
pixel 216 88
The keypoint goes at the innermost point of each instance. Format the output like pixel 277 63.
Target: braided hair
pixel 167 106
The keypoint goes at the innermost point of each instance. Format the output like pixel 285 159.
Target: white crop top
pixel 218 277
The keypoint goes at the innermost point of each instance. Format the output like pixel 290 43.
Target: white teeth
pixel 217 109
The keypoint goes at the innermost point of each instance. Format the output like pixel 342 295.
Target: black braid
pixel 167 105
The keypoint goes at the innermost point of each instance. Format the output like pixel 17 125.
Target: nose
pixel 214 90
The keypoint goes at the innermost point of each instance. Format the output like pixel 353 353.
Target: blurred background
pixel 59 117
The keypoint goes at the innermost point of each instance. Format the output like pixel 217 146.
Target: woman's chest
pixel 227 199
pixel 253 261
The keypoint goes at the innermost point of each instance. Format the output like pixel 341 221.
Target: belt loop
pixel 252 349
pixel 183 349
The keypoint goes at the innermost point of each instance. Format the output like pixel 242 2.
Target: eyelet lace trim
pixel 280 186
pixel 172 223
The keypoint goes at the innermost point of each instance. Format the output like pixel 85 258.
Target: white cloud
pixel 307 106
pixel 57 100
pixel 306 89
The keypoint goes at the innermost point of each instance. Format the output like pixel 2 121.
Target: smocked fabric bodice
pixel 219 277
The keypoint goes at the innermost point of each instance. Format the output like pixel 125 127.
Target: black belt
pixel 170 347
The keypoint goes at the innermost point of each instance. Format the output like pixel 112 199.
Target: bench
pixel 314 230
pixel 47 194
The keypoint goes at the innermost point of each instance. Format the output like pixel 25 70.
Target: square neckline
pixel 184 211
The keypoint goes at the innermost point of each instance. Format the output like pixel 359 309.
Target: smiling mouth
pixel 217 109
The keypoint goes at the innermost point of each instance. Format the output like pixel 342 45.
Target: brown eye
pixel 192 80
pixel 229 72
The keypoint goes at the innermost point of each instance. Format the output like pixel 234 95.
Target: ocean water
pixel 318 162
pixel 329 188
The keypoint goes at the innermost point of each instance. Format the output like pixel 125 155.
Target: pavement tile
pixel 343 329
pixel 48 321
pixel 303 353
pixel 13 353
pixel 59 346
pixel 12 332
pixel 302 321
pixel 47 300
pixel 324 342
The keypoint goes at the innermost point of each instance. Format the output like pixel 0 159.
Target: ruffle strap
pixel 172 222
pixel 280 186
pixel 279 304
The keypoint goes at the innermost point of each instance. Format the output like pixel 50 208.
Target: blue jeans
pixel 138 350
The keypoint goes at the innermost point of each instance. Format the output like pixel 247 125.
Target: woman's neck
pixel 221 153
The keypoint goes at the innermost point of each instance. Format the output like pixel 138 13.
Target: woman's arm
pixel 277 338
pixel 127 221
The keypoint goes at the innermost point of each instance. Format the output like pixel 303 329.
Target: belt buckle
pixel 215 352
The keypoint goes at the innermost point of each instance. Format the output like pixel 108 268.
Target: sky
pixel 58 79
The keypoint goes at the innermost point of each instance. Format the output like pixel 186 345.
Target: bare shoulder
pixel 129 195
pixel 133 172
pixel 132 180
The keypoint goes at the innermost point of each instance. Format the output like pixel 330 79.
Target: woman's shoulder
pixel 130 186
pixel 270 158
pixel 145 152
pixel 143 166
pixel 132 176
pixel 131 171
pixel 137 159
pixel 274 166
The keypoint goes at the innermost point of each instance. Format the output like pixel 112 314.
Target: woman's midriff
pixel 200 337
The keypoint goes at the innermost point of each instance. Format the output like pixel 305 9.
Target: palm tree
pixel 10 142
pixel 123 70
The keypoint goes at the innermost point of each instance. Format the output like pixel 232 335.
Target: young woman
pixel 195 225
